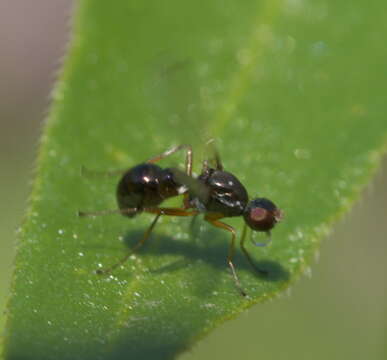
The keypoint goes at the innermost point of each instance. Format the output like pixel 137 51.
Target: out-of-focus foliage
pixel 281 87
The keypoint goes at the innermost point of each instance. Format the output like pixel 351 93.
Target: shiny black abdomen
pixel 226 195
pixel 145 185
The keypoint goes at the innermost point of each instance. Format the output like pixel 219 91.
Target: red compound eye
pixel 258 214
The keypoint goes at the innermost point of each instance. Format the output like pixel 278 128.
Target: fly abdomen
pixel 139 187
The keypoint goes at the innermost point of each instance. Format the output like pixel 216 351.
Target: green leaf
pixel 293 94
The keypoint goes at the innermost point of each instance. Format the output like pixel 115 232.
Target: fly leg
pixel 231 250
pixel 158 212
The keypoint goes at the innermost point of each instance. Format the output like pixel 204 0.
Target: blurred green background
pixel 337 313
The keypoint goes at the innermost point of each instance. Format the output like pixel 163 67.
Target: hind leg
pixel 188 163
pixel 188 157
pixel 158 212
pixel 137 246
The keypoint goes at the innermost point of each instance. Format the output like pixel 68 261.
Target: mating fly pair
pixel 215 193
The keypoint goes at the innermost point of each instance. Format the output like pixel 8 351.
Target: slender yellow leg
pixel 231 250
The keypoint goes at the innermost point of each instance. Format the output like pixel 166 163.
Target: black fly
pixel 215 193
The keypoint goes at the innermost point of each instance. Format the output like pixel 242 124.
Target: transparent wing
pixel 193 185
pixel 213 155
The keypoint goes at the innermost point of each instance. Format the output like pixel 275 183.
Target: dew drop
pixel 208 306
pixel 318 48
pixel 308 272
pixel 244 57
pixel 302 154
pixel 317 256
pixel 202 69
pixel 52 153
